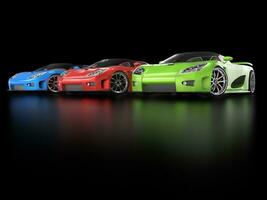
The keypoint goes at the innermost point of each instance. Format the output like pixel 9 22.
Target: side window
pixel 126 64
pixel 75 67
pixel 214 58
pixel 63 67
pixel 194 59
pixel 142 63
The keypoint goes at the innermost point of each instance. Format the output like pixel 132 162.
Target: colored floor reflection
pixel 136 134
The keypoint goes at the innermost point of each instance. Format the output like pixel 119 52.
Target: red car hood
pixel 80 73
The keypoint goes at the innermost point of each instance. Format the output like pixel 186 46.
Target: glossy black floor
pixel 193 141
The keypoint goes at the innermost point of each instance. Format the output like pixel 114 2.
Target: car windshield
pixel 108 63
pixel 55 66
pixel 192 57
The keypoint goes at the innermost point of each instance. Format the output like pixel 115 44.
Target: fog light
pixel 30 84
pixel 91 84
pixel 188 83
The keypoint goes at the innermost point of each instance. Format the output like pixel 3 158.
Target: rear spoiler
pixel 243 63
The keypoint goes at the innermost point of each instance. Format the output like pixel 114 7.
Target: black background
pixel 84 34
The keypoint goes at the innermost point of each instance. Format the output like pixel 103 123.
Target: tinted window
pixel 192 57
pixel 109 63
pixel 56 66
pixel 126 64
pixel 195 59
pixel 142 63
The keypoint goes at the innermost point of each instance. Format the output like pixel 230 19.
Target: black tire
pixel 52 83
pixel 119 83
pixel 252 82
pixel 219 81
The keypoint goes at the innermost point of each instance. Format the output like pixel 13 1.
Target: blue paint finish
pixel 27 83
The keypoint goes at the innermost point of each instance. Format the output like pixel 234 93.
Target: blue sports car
pixel 44 78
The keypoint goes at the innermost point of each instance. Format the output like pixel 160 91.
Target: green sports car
pixel 201 72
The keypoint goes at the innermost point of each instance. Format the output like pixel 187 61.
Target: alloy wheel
pixel 119 83
pixel 252 82
pixel 53 83
pixel 218 82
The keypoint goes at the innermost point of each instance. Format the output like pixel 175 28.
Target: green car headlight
pixel 195 68
pixel 139 71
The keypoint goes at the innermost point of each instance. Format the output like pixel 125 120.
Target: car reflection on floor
pixel 186 131
pixel 164 120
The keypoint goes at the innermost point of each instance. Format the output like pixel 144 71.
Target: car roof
pixel 121 60
pixel 61 64
pixel 199 53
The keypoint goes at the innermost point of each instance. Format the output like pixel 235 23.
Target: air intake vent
pixel 159 88
pixel 73 87
pixel 238 82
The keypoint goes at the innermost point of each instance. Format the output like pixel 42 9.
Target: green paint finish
pixel 172 73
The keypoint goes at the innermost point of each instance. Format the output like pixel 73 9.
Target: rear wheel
pixel 218 81
pixel 252 82
pixel 119 83
pixel 52 83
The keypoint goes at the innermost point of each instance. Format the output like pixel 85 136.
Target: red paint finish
pixel 101 82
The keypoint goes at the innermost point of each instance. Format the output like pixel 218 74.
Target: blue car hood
pixel 26 75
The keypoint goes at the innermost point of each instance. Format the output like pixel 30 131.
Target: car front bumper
pixel 27 85
pixel 83 84
pixel 188 82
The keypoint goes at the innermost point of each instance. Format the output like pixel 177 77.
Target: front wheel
pixel 52 83
pixel 119 83
pixel 252 82
pixel 218 81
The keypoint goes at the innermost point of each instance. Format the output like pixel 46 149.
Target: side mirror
pixel 227 58
pixel 76 67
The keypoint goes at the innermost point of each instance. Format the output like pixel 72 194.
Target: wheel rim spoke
pixel 220 78
pixel 252 82
pixel 118 83
pixel 218 81
pixel 53 83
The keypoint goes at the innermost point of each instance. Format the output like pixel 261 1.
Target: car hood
pixel 80 73
pixel 26 75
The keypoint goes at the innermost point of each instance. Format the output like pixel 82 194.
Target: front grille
pixel 17 87
pixel 76 87
pixel 159 88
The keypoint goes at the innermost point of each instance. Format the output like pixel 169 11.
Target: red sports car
pixel 106 75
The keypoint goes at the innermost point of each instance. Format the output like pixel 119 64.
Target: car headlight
pixel 195 68
pixel 96 73
pixel 63 73
pixel 37 75
pixel 139 71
